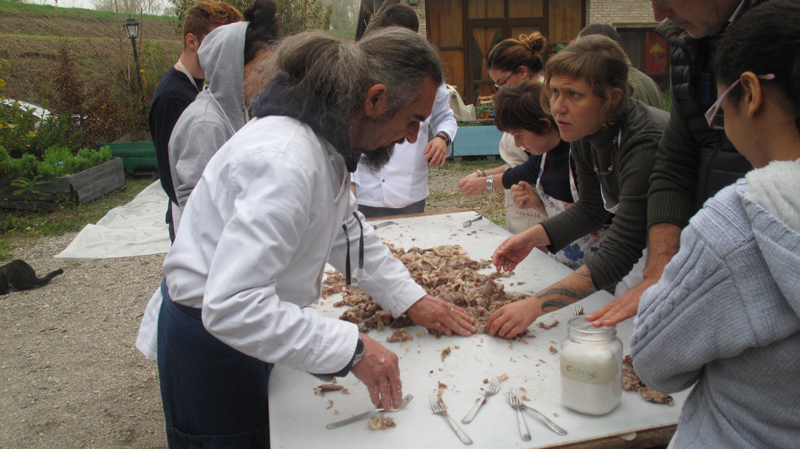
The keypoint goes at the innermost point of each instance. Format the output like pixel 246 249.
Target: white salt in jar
pixel 591 368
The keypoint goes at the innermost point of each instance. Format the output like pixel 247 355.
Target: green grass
pixel 8 9
pixel 18 227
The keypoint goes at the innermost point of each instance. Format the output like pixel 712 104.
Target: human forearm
pixel 497 170
pixel 528 171
pixel 385 278
pixel 572 288
pixel 663 243
pixel 514 318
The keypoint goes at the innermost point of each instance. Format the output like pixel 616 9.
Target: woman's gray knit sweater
pixel 726 316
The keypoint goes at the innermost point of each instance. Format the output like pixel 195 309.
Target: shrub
pixel 58 161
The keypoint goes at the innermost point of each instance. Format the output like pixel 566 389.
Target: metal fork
pixel 370 413
pixel 440 409
pixel 493 388
pixel 577 309
pixel 553 426
pixel 515 402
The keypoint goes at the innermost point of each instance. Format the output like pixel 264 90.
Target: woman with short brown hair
pixel 613 142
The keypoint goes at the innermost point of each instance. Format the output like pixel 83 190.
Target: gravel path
pixel 73 377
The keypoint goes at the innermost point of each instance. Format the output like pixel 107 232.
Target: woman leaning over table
pixel 510 62
pixel 725 315
pixel 613 142
pixel 519 113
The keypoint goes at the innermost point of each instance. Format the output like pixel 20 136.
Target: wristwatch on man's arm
pixel 490 182
pixel 444 136
pixel 359 353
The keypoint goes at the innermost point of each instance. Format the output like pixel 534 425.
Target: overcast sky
pixel 87 4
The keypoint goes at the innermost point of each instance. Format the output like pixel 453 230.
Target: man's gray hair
pixel 321 65
pixel 339 72
pixel 401 60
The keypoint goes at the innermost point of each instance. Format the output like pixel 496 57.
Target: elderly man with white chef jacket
pixel 272 207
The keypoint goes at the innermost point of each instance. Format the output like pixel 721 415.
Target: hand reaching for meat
pixel 379 371
pixel 439 315
pixel 514 318
pixel 511 252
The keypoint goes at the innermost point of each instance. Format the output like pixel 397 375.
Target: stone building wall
pixel 620 12
pixel 420 9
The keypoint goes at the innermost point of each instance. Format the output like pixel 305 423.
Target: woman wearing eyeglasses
pixel 725 315
pixel 613 142
pixel 510 62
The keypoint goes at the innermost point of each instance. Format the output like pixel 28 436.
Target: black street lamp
pixel 132 29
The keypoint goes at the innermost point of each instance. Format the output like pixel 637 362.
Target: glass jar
pixel 591 368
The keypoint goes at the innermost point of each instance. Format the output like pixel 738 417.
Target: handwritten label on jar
pixel 593 373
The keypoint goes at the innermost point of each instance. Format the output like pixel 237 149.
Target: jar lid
pixel 580 328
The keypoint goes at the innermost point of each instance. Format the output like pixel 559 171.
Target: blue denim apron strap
pixel 214 396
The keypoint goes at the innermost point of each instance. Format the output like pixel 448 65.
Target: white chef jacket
pixel 262 222
pixel 404 180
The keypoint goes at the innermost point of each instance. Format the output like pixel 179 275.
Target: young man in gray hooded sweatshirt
pixel 231 57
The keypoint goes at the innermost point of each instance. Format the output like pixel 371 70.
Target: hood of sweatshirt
pixel 772 202
pixel 222 59
pixel 278 99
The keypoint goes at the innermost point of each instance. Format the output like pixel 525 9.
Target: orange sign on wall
pixel 656 60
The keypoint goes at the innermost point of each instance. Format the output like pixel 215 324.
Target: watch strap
pixel 359 351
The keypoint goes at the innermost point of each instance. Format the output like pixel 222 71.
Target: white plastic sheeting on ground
pixel 133 229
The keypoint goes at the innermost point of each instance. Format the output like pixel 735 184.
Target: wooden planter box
pixel 481 140
pixel 136 157
pixel 80 188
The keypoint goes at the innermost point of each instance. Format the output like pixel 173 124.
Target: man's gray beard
pixel 378 158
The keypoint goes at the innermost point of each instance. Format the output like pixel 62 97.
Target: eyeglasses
pixel 713 117
pixel 499 84
pixel 352 280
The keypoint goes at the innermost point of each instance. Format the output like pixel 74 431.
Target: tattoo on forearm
pixel 569 290
pixel 556 304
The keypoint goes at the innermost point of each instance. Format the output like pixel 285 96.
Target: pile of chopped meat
pixel 630 381
pixel 400 335
pixel 381 422
pixel 443 271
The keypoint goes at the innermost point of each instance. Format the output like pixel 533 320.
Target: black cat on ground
pixel 21 276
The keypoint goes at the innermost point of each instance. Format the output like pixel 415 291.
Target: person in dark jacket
pixel 181 84
pixel 693 162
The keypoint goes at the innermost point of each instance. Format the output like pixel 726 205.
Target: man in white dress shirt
pixel 401 186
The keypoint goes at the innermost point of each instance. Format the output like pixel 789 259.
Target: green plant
pixel 484 109
pixel 57 161
pixel 29 186
pixel 667 99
